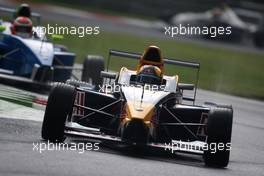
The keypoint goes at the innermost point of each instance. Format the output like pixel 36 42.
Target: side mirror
pixel 184 86
pixel 2 28
pixel 109 75
pixel 57 37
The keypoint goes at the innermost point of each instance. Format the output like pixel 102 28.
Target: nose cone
pixel 135 131
pixel 139 110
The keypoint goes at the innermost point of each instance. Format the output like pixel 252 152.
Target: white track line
pixel 15 111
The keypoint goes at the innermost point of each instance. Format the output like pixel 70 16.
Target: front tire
pixel 59 106
pixel 92 67
pixel 219 130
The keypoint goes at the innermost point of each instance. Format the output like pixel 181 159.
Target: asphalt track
pixel 20 127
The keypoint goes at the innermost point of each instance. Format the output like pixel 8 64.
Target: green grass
pixel 222 70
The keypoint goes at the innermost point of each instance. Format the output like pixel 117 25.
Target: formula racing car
pixel 244 25
pixel 141 107
pixel 27 57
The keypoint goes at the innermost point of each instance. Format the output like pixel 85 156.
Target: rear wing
pixel 37 16
pixel 166 60
pixel 136 56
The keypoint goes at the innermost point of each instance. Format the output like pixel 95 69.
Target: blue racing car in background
pixel 27 57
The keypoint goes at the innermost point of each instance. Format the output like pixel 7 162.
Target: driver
pixel 22 26
pixel 149 74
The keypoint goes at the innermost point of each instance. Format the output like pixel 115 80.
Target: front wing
pixel 73 129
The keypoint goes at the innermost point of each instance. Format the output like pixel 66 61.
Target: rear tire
pixel 92 67
pixel 59 106
pixel 219 130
